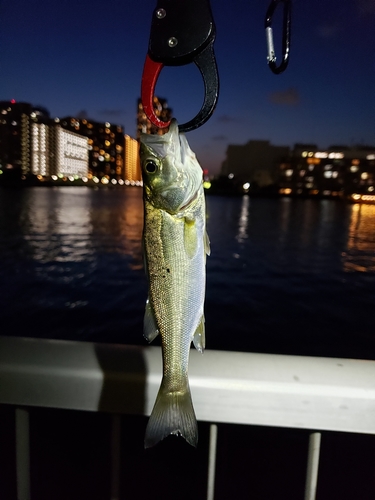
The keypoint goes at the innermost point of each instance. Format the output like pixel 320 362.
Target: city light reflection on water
pixel 320 224
pixel 285 276
pixel 70 225
pixel 58 225
pixel 360 253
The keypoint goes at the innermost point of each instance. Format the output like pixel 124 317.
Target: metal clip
pixel 271 58
pixel 181 32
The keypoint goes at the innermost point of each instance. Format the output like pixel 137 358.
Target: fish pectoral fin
pixel 150 329
pixel 199 338
pixel 190 237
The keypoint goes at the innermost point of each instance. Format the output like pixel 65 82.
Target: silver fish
pixel 175 246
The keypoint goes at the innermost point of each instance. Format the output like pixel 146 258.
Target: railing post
pixel 212 462
pixel 312 466
pixel 22 454
pixel 115 457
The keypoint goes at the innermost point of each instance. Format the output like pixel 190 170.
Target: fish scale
pixel 176 304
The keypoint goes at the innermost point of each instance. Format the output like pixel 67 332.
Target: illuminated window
pixel 336 156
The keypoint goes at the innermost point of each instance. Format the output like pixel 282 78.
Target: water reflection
pixel 72 224
pixel 360 250
pixel 243 220
pixel 58 224
pixel 131 226
pixel 116 219
pixel 278 275
pixel 284 218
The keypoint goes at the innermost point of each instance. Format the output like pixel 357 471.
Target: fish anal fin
pixel 150 329
pixel 207 247
pixel 173 413
pixel 199 338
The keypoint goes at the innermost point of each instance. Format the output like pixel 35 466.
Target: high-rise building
pixel 105 143
pixel 16 136
pixel 40 149
pixel 33 144
pixel 162 111
pixel 71 154
pixel 133 174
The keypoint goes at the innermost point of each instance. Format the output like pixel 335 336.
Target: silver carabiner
pixel 271 58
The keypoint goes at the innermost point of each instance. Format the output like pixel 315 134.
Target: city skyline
pixel 34 145
pixel 86 59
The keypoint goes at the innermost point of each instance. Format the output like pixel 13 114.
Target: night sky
pixel 85 57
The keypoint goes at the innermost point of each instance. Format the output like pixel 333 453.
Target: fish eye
pixel 151 167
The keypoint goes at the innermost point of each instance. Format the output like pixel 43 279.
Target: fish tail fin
pixel 173 413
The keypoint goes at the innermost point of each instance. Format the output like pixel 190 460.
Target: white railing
pixel 227 387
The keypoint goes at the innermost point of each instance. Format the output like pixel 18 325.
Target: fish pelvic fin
pixel 199 338
pixel 150 329
pixel 173 413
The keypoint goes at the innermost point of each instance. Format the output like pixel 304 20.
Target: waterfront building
pixel 162 111
pixel 256 163
pixel 17 137
pixel 40 149
pixel 336 171
pixel 70 154
pixel 133 174
pixel 31 144
pixel 105 144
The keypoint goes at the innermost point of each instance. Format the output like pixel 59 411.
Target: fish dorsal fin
pixel 199 338
pixel 150 329
pixel 190 237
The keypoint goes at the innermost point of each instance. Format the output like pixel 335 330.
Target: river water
pixel 284 276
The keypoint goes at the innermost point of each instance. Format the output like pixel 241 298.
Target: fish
pixel 175 245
